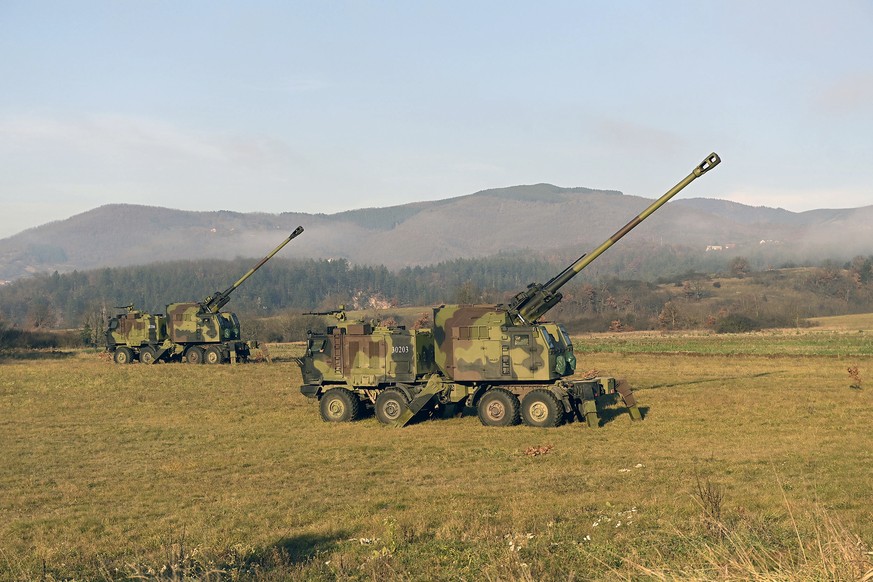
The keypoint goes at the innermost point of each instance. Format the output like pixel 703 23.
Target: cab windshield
pixel 316 345
pixel 565 336
pixel 550 339
pixel 229 326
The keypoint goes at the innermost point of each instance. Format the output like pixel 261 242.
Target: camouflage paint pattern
pixel 481 343
pixel 136 328
pixel 190 323
pixel 365 355
pixel 185 326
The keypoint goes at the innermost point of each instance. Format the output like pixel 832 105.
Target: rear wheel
pixel 194 355
pixel 213 355
pixel 339 405
pixel 123 355
pixel 498 407
pixel 542 408
pixel 390 405
pixel 147 355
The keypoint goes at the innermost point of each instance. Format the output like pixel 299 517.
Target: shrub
pixel 736 323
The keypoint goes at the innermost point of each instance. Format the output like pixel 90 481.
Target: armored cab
pixel 133 331
pixel 196 331
pixel 368 356
pixel 502 360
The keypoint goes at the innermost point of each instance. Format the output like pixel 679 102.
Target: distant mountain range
pixel 543 219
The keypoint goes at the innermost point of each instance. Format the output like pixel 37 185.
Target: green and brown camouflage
pixel 134 331
pixel 196 331
pixel 499 359
pixel 482 343
pixel 366 354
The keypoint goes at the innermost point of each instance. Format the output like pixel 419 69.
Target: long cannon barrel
pixel 219 299
pixel 536 300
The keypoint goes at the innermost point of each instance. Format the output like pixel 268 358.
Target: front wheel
pixel 498 407
pixel 339 405
pixel 542 408
pixel 390 405
pixel 123 355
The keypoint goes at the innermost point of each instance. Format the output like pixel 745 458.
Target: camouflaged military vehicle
pixel 196 331
pixel 500 360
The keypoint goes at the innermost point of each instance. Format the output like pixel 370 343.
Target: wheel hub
pixel 496 410
pixel 539 411
pixel 336 408
pixel 392 409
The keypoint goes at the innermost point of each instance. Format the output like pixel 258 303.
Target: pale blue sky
pixel 329 106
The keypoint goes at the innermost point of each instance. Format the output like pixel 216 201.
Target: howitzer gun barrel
pixel 340 313
pixel 531 305
pixel 293 235
pixel 220 299
pixel 710 162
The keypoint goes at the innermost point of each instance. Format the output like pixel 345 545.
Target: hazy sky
pixel 329 106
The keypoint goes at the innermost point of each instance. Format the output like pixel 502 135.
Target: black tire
pixel 339 405
pixel 194 355
pixel 213 355
pixel 542 408
pixel 390 405
pixel 147 355
pixel 123 355
pixel 498 407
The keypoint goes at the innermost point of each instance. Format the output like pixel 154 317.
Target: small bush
pixel 736 323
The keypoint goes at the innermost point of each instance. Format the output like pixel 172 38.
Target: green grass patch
pixel 768 343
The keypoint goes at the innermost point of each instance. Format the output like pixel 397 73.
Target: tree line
pixel 67 300
pixel 284 288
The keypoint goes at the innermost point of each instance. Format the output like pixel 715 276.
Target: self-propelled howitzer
pixel 196 331
pixel 499 359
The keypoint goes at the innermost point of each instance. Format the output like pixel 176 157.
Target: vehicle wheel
pixel 194 355
pixel 123 355
pixel 498 407
pixel 147 355
pixel 542 408
pixel 390 404
pixel 339 405
pixel 213 355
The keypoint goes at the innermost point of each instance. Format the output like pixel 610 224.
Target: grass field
pixel 833 342
pixel 755 461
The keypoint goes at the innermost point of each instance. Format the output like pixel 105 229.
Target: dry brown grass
pixel 227 472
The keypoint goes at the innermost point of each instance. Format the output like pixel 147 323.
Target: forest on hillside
pixel 272 302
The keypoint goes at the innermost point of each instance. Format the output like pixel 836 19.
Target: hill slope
pixel 543 218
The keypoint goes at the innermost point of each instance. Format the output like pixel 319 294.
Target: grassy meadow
pixel 754 461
